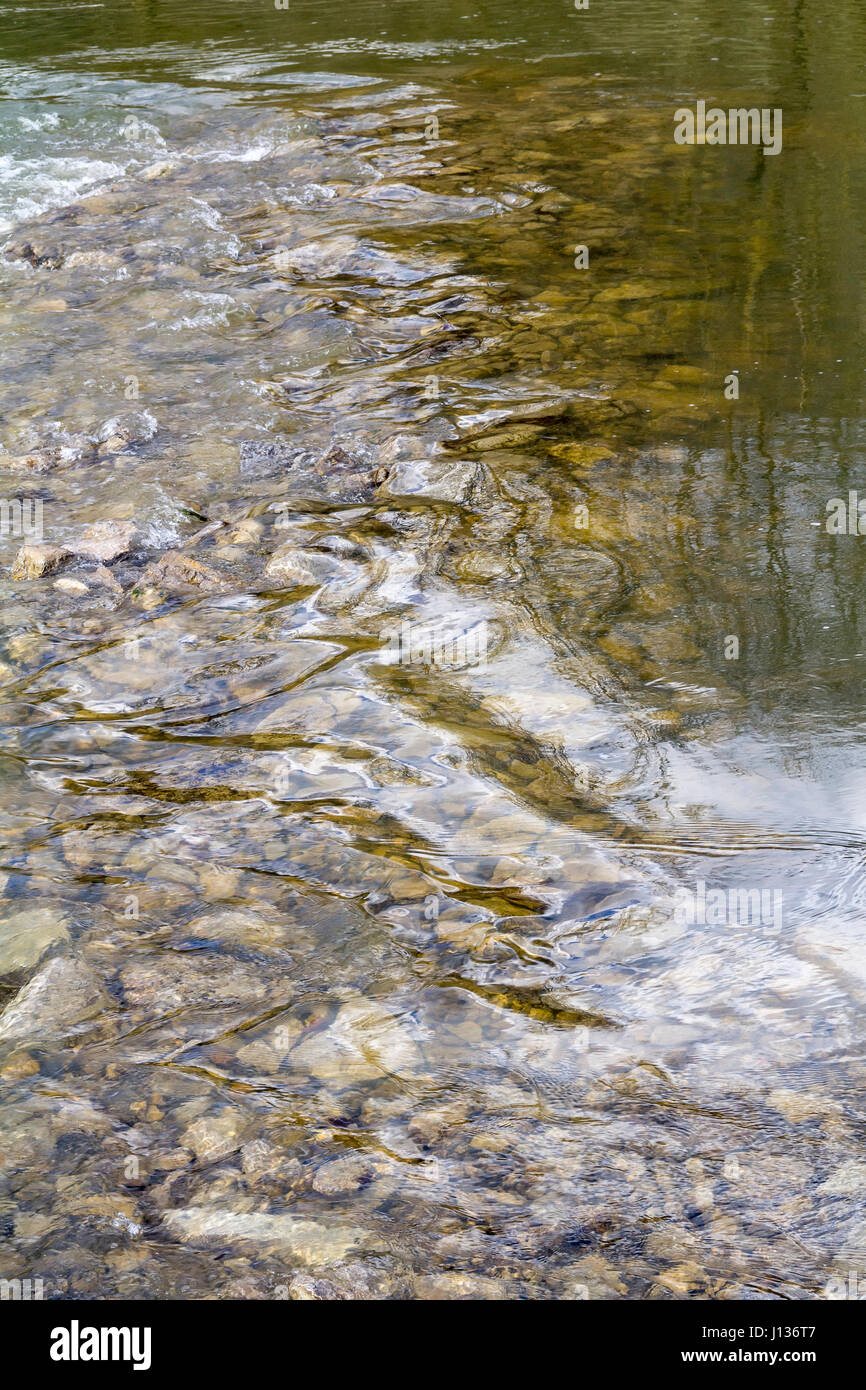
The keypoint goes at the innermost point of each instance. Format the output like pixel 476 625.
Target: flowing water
pixel 442 876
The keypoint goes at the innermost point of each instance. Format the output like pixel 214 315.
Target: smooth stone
pixel 71 586
pixel 26 937
pixel 64 993
pixel 100 260
pixel 343 1176
pixel 174 570
pixel 797 1106
pixel 311 1242
pixel 161 986
pixel 292 565
pixel 215 1136
pixel 107 540
pixel 453 1285
pixel 847 1180
pixel 438 479
pixel 304 1288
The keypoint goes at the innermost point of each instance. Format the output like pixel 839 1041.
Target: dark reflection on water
pixel 534 969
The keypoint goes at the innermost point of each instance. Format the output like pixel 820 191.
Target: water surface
pixel 394 988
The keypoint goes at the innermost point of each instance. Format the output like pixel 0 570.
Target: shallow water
pixel 386 956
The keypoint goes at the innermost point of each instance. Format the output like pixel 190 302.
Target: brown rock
pixel 174 570
pixel 105 577
pixel 38 461
pixel 32 561
pixel 20 1066
pixel 52 257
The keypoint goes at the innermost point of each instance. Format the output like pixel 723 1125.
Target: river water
pixel 443 876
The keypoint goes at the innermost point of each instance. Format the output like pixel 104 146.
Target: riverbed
pixel 432 757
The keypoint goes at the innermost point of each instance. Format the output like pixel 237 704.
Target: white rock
pixel 310 1242
pixel 107 540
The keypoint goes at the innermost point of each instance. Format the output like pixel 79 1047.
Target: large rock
pixel 339 473
pixel 27 936
pixel 159 986
pixel 347 256
pixel 175 570
pixel 292 565
pixel 62 995
pixel 213 1137
pixel 343 1176
pixel 32 561
pixel 107 540
pixel 363 1043
pixel 442 480
pixel 39 254
pixel 310 1242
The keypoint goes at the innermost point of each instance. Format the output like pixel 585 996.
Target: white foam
pixel 29 187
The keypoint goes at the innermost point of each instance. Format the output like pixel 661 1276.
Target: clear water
pixel 447 921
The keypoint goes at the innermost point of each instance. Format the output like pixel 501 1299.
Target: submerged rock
pixel 104 577
pixel 122 431
pixel 107 540
pixel 63 994
pixel 40 255
pixel 292 565
pixel 343 1176
pixel 27 936
pixel 164 985
pixel 364 1042
pixel 346 255
pixel 310 1242
pixel 452 1285
pixel 215 1136
pixel 98 260
pixel 36 461
pixel 67 585
pixel 160 170
pixel 261 458
pixel 175 570
pixel 304 1288
pixel 442 480
pixel 42 450
pixel 337 473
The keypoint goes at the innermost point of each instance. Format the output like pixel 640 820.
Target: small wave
pixel 49 183
pixel 217 311
pixel 48 121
